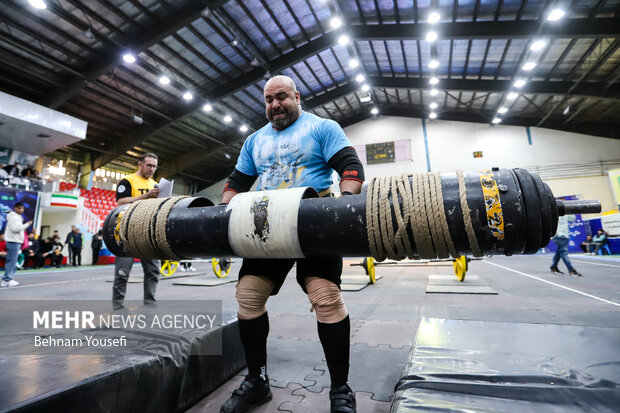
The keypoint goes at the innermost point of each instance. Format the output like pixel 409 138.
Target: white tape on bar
pixel 264 224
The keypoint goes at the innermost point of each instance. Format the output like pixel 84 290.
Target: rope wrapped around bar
pixel 143 228
pixel 416 203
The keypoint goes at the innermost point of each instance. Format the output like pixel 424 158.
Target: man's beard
pixel 285 122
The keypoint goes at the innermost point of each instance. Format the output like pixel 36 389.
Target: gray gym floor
pixel 384 316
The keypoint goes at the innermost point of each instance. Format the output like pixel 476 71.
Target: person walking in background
pixel 14 236
pixel 76 245
pixel 561 243
pixel 96 245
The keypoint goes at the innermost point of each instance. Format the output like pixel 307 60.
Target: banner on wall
pixel 9 157
pixel 5 156
pixel 614 178
pixel 8 198
pixel 64 200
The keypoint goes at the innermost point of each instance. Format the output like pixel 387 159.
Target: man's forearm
pixel 228 195
pixel 350 185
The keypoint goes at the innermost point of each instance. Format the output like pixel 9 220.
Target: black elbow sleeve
pixel 239 182
pixel 347 164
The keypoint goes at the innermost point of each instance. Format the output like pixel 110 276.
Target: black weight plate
pixel 554 210
pixel 532 210
pixel 545 210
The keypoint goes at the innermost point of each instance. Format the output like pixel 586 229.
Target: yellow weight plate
pixel 371 269
pixel 168 268
pixel 221 268
pixel 460 267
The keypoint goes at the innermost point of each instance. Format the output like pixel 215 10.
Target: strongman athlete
pixel 295 149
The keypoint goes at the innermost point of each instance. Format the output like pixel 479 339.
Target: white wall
pixel 451 146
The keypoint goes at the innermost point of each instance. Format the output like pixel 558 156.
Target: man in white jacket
pixel 14 236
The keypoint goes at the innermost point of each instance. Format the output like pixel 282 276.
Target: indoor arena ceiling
pixel 216 55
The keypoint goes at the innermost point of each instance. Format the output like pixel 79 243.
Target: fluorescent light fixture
pixel 432 115
pixel 243 128
pixel 164 80
pixel 556 14
pixel 374 111
pixel 365 99
pixel 227 119
pixel 566 111
pixel 537 45
pixel 431 36
pixel 360 78
pixel 137 119
pixel 188 95
pixel 335 22
pixel 365 88
pixel 433 17
pixel 207 107
pixel 343 40
pixel 38 4
pixel 502 110
pixel 519 83
pixel 129 58
pixel 433 81
pixel 433 105
pixel 353 63
pixel 512 96
pixel 496 120
pixel 434 92
pixel 98 172
pixel 529 66
pixel 433 64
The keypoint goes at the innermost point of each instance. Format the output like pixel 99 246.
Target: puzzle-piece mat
pixel 374 333
pixel 206 281
pixel 319 402
pixel 374 370
pixel 214 400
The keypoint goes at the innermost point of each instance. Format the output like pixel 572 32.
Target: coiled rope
pixel 142 228
pixel 414 203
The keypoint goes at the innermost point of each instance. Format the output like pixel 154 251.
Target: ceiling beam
pixel 155 33
pixel 581 28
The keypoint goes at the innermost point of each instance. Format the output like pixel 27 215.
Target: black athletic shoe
pixel 556 270
pixel 253 392
pixel 574 273
pixel 342 399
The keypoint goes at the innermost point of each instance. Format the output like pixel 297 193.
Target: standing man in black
pixel 67 239
pixel 296 149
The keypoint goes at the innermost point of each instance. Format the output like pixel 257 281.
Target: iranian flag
pixel 63 200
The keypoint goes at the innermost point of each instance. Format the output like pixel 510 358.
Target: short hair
pixel 148 155
pixel 18 204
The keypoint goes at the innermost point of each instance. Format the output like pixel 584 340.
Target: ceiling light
pixel 129 58
pixel 496 120
pixel 365 88
pixel 88 33
pixel 234 42
pixel 502 110
pixel 227 119
pixel 353 63
pixel 537 45
pixel 434 92
pixel 164 80
pixel 566 111
pixel 432 115
pixel 343 40
pixel 431 36
pixel 207 107
pixel 433 17
pixel 243 128
pixel 519 83
pixel 555 14
pixel 374 111
pixel 38 4
pixel 335 22
pixel 137 119
pixel 188 95
pixel 433 81
pixel 512 96
pixel 360 78
pixel 529 66
pixel 433 64
pixel 365 99
pixel 433 105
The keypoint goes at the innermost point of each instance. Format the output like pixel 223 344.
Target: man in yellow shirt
pixel 136 187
